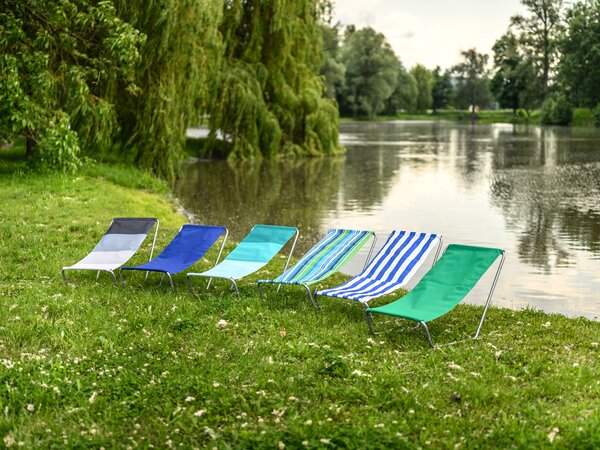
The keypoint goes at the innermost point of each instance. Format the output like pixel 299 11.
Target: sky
pixel 432 32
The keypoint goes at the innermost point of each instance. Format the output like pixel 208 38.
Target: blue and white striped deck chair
pixel 392 267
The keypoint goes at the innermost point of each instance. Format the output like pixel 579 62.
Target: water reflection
pixel 532 191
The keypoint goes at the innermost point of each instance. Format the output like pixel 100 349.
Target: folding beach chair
pixel 444 287
pixel 324 259
pixel 392 267
pixel 254 252
pixel 187 247
pixel 117 246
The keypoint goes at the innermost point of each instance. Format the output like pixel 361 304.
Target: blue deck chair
pixel 187 247
pixel 392 267
pixel 117 246
pixel 254 252
pixel 324 259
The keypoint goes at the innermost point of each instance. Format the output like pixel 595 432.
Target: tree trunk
pixel 31 147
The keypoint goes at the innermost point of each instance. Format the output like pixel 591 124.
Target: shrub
pixel 521 115
pixel 557 111
pixel 596 114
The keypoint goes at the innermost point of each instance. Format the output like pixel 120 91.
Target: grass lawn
pixel 91 365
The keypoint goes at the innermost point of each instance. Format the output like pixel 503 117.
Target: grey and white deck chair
pixel 117 246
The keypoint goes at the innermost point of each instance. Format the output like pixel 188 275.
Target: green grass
pixel 91 365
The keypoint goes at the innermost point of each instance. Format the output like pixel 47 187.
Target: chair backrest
pixel 119 243
pixel 125 234
pixel 446 284
pixel 400 257
pixel 262 243
pixel 326 257
pixel 189 245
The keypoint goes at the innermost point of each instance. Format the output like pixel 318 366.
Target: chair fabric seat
pixel 392 267
pixel 187 247
pixel 445 285
pixel 325 258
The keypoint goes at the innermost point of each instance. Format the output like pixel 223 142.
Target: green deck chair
pixel 254 252
pixel 444 287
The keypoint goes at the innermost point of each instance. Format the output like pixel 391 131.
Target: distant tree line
pixel 126 78
pixel 549 58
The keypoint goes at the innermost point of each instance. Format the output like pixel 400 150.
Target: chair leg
pixel 121 276
pixel 427 335
pixel 170 281
pixel 312 299
pixel 260 291
pixel 370 324
pixel 64 276
pixel 189 284
pixel 113 276
pixel 234 285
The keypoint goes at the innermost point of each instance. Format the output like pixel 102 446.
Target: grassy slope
pixel 90 365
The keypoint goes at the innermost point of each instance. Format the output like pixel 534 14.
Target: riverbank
pixel 582 117
pixel 90 365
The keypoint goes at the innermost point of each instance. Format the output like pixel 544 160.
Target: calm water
pixel 532 191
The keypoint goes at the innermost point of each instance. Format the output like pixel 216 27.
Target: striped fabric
pixel 325 258
pixel 393 266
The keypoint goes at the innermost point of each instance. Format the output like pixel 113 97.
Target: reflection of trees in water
pixel 547 194
pixel 239 195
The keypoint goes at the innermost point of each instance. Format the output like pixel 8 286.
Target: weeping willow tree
pixel 268 98
pixel 182 51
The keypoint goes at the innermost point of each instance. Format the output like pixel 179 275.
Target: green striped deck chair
pixel 323 260
pixel 444 287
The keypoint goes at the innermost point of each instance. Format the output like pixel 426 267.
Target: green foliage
pixel 372 71
pixel 514 83
pixel 597 115
pixel 442 91
pixel 60 65
pixel 473 85
pixel 538 33
pixel 425 81
pixel 268 98
pixel 579 68
pixel 331 69
pixel 521 115
pixel 557 111
pixel 404 97
pixel 179 58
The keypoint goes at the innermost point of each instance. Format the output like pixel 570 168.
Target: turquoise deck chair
pixel 444 287
pixel 328 256
pixel 254 252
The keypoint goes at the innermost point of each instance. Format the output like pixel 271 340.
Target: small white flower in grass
pixel 547 324
pixel 30 407
pixel 379 425
pixel 190 399
pixel 200 413
pixel 216 385
pixel 452 377
pixel 453 366
pixel 411 411
pixel 552 434
pixel 9 440
pixel 594 344
pixel 292 398
pixel 305 443
pixel 281 445
pixel 308 422
pixel 210 432
pixel 92 398
pixel 325 441
pixel 222 323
